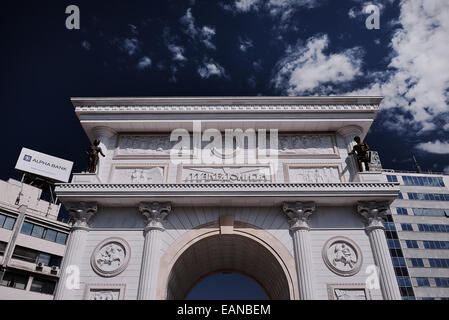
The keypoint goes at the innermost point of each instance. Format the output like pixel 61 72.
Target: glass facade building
pixel 417 229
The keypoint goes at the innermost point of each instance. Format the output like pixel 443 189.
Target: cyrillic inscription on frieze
pixel 226 175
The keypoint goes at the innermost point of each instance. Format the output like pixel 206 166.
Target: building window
pixel 402 211
pixel 406 227
pixel 393 244
pixel 423 282
pixel 14 280
pixel 43 286
pixel 404 281
pixel 436 244
pixel 392 178
pixel 2 247
pixel 430 212
pixel 439 263
pixel 417 262
pixel 400 196
pixel 413 244
pixel 442 282
pixel 398 262
pixel 37 231
pixel 50 235
pixel 423 181
pixel 433 227
pixel 61 238
pixel 7 222
pixel 34 256
pixel 26 228
pixel 401 271
pixel 428 196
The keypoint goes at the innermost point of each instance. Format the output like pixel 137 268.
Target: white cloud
pixel 307 69
pixel 352 13
pixel 144 63
pixel 127 45
pixel 276 8
pixel 434 147
pixel 210 68
pixel 204 34
pixel 246 5
pixel 245 44
pixel 418 77
pixel 188 21
pixel 177 52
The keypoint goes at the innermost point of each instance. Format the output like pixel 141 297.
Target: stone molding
pixel 225 108
pixel 155 213
pixel 237 186
pixel 373 213
pixel 298 214
pixel 81 212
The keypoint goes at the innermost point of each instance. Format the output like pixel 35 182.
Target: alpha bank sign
pixel 44 165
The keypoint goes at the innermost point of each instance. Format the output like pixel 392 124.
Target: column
pixel 81 213
pixel 154 213
pixel 106 136
pixel 373 213
pixel 349 133
pixel 298 214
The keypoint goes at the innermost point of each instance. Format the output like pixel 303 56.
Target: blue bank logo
pixel 27 158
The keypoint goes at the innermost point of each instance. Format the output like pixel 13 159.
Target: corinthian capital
pixel 155 213
pixel 298 214
pixel 81 212
pixel 373 213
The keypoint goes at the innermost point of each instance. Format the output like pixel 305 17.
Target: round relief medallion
pixel 342 256
pixel 111 257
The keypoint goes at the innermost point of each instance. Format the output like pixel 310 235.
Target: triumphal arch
pixel 263 186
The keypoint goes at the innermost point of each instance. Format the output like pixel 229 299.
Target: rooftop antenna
pixel 416 164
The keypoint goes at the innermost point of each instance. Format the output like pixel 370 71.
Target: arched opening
pixel 227 286
pixel 227 253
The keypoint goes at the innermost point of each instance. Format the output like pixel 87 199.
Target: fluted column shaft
pixel 373 212
pixel 155 213
pixel 298 214
pixel 81 214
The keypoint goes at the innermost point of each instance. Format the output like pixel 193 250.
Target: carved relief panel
pixel 312 173
pixel 348 291
pixel 307 145
pixel 104 291
pixel 138 174
pixel 111 257
pixel 289 145
pixel 342 256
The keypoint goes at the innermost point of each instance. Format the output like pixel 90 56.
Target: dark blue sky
pixel 225 48
pixel 197 48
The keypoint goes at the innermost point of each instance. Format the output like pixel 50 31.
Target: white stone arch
pixel 242 231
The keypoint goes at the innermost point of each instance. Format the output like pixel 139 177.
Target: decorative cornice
pixel 298 214
pixel 373 213
pixel 155 213
pixel 224 108
pixel 257 187
pixel 270 100
pixel 81 212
